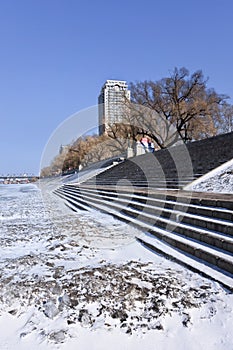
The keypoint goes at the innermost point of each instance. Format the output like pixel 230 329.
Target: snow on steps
pixel 195 231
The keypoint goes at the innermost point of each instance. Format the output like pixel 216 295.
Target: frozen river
pixel 80 280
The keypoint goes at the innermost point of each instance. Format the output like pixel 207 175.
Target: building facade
pixel 112 103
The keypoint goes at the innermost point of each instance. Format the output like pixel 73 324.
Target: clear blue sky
pixel 56 54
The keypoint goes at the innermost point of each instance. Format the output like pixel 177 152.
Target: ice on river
pixel 80 280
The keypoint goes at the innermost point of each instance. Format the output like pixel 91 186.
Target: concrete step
pixel 167 217
pixel 169 210
pixel 159 217
pixel 70 202
pixel 168 201
pixel 217 259
pixel 206 236
pixel 194 264
pixel 207 200
pixel 182 161
pixel 149 182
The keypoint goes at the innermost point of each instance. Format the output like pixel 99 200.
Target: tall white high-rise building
pixel 112 103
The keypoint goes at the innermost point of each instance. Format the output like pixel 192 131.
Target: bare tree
pixel 181 103
pixel 87 150
pixel 226 124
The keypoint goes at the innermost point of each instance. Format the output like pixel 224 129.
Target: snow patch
pixel 219 180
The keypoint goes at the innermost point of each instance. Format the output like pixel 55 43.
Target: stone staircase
pixel 194 229
pixel 174 167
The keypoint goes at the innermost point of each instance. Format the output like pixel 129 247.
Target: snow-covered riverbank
pixel 80 280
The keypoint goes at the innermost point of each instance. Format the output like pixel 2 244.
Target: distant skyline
pixel 57 54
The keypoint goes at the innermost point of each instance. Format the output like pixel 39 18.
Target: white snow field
pixel 79 280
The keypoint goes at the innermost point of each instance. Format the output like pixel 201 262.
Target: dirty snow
pixel 81 281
